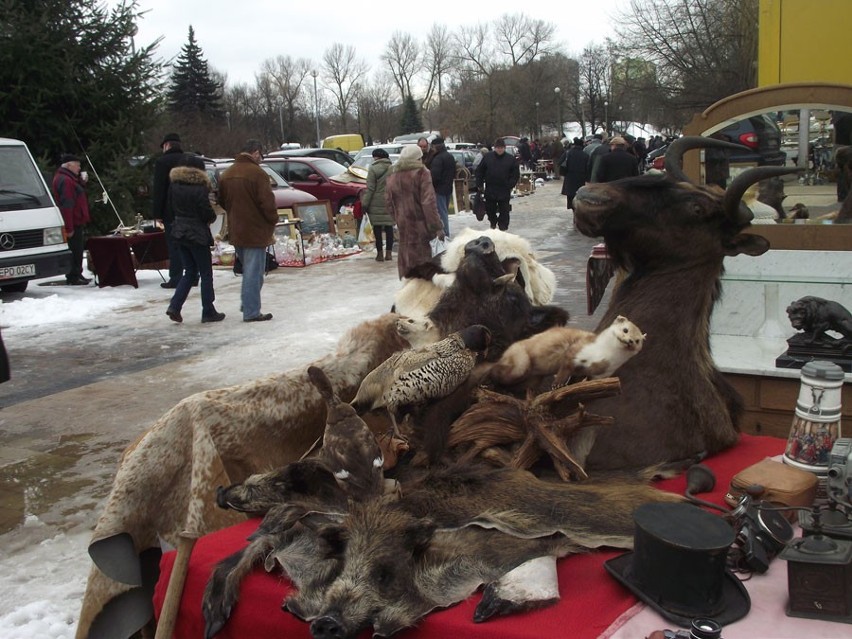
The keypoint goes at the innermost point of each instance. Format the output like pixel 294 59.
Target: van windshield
pixel 21 186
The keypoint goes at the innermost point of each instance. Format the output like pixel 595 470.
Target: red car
pixel 285 194
pixel 323 178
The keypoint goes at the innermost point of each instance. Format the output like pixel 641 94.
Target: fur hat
pixel 438 140
pixel 380 153
pixel 618 140
pixel 410 152
pixel 68 157
pixel 500 142
pixel 170 137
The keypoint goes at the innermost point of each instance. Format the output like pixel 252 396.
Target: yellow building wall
pixel 805 41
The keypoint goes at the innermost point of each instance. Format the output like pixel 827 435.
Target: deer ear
pixel 747 243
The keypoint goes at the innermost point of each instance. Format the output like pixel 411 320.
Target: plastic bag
pixel 365 233
pixel 438 246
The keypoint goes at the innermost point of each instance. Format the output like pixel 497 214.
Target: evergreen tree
pixel 411 122
pixel 192 90
pixel 73 80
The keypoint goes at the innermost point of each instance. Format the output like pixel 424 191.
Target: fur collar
pixel 407 165
pixel 189 175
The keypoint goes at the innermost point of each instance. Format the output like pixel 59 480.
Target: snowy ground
pixel 43 561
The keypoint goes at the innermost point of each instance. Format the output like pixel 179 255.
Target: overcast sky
pixel 237 36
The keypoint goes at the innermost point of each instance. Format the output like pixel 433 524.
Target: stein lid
pixel 822 370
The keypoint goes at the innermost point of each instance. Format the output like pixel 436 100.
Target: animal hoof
pixel 215 618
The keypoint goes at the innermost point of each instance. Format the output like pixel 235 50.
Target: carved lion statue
pixel 815 316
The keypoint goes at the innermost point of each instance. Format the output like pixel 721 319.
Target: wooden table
pixel 113 257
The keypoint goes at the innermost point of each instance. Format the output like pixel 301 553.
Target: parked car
pixel 323 178
pixel 341 157
pixel 367 151
pixel 465 158
pixel 761 134
pixel 285 194
pixel 362 164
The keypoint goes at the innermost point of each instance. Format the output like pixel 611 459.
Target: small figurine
pixel 815 316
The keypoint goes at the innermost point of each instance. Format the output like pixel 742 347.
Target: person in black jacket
pixel 573 164
pixel 443 168
pixel 616 164
pixel 189 201
pixel 172 156
pixel 499 172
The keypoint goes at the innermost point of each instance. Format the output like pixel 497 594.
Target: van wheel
pixel 20 287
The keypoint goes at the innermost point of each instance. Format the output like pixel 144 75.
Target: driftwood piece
pixel 549 423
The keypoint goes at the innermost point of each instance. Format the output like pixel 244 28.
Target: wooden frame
pixel 817 95
pixel 289 219
pixel 316 217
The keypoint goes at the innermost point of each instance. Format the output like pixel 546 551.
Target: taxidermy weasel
pixel 566 351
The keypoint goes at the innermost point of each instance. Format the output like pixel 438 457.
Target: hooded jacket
pixel 189 201
pixel 246 194
pixel 373 197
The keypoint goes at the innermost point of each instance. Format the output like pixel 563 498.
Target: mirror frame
pixel 817 95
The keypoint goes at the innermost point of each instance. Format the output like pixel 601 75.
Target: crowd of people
pixel 410 198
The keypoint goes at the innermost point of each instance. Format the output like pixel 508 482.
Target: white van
pixel 32 233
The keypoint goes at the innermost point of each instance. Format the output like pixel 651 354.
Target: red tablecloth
pixel 590 599
pixel 112 260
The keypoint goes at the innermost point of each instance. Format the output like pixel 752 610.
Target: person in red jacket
pixel 69 191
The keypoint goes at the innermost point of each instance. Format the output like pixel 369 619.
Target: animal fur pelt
pixel 166 481
pixel 418 296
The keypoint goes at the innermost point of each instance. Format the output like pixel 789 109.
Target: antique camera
pixel 701 629
pixel 761 534
pixel 836 516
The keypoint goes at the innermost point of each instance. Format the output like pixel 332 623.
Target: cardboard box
pixel 346 223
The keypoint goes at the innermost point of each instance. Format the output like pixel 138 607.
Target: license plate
pixel 22 270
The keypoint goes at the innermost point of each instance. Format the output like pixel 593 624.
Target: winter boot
pixel 379 257
pixel 388 256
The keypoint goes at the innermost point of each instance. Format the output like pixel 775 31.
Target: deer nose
pixel 327 627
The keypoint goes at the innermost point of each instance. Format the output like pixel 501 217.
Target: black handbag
pixel 479 206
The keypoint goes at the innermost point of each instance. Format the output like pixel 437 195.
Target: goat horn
pixel 674 154
pixel 739 185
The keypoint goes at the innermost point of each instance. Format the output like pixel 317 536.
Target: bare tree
pixel 402 56
pixel 287 77
pixel 703 50
pixel 377 116
pixel 522 39
pixel 342 75
pixel 594 88
pixel 437 61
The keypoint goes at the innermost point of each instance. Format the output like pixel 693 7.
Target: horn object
pixel 674 154
pixel 739 185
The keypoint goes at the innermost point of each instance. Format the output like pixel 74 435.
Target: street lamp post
pixel 281 117
pixel 314 73
pixel 556 90
pixel 228 118
pixel 537 127
pixel 606 117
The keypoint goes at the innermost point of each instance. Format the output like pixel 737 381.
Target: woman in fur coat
pixel 410 201
pixel 373 204
pixel 189 201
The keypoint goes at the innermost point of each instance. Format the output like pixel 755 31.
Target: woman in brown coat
pixel 410 201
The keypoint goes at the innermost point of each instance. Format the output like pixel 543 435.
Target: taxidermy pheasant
pixel 349 449
pixel 413 377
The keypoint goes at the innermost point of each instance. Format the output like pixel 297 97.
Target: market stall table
pixel 113 256
pixel 592 603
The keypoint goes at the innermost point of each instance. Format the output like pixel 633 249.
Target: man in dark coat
pixel 443 168
pixel 499 172
pixel 69 191
pixel 616 164
pixel 525 152
pixel 573 164
pixel 172 156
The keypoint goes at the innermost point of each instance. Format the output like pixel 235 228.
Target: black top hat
pixel 678 565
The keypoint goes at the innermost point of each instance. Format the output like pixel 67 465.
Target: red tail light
pixel 749 139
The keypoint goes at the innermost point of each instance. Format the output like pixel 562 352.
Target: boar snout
pixel 220 497
pixel 327 627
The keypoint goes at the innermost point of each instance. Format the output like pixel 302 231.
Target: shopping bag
pixel 479 207
pixel 366 236
pixel 438 246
